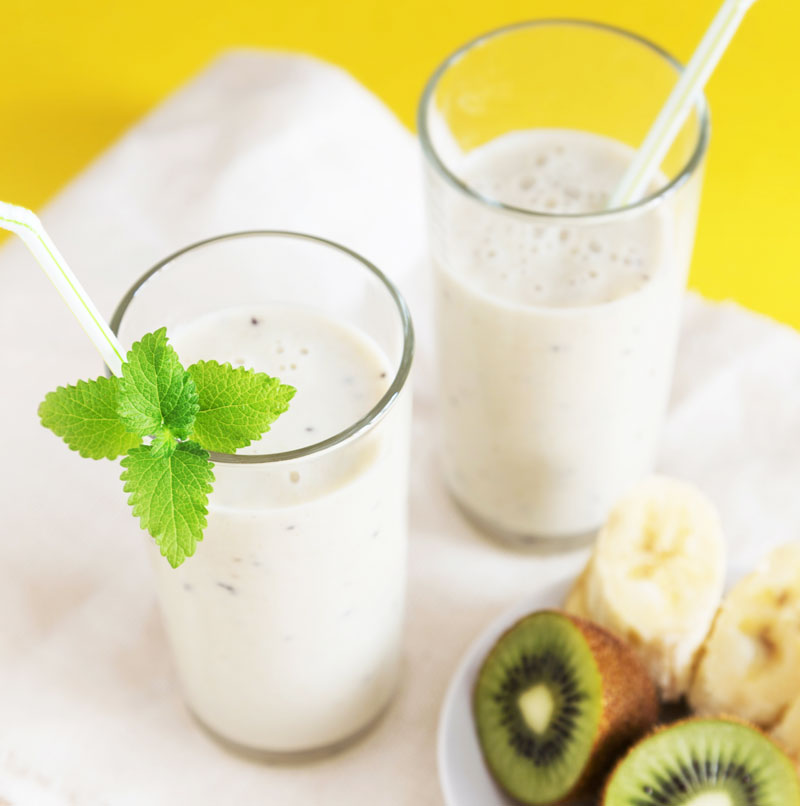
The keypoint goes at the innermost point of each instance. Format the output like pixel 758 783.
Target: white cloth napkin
pixel 90 712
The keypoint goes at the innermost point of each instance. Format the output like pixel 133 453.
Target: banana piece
pixel 787 731
pixel 751 664
pixel 656 577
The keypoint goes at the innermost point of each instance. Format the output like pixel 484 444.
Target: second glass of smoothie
pixel 557 318
pixel 286 624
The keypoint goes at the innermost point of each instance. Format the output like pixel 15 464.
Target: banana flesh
pixel 751 663
pixel 656 577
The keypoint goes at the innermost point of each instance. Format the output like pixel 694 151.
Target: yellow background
pixel 74 75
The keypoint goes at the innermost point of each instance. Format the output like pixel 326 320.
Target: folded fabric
pixel 90 712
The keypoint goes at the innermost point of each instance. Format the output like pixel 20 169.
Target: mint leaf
pixel 237 405
pixel 156 393
pixel 162 444
pixel 85 415
pixel 169 495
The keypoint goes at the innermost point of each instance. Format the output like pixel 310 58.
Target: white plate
pixel 463 775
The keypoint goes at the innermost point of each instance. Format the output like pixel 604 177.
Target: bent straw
pixel 26 224
pixel 677 107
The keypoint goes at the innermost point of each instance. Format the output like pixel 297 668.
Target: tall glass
pixel 557 318
pixel 286 624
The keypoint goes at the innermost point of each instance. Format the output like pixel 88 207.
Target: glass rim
pixel 430 152
pixel 373 416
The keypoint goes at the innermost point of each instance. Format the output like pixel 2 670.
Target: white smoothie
pixel 556 337
pixel 286 624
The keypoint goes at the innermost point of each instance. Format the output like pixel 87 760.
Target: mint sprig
pixel 186 413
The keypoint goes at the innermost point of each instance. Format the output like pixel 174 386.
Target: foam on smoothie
pixel 551 171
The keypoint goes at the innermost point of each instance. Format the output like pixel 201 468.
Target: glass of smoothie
pixel 556 317
pixel 286 624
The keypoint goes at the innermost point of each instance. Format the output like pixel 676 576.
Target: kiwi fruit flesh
pixel 704 762
pixel 556 701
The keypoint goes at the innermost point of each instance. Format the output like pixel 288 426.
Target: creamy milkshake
pixel 556 317
pixel 556 342
pixel 285 626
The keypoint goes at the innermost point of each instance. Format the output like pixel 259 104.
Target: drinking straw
pixel 677 107
pixel 26 224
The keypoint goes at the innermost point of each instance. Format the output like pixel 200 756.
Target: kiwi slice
pixel 556 701
pixel 704 762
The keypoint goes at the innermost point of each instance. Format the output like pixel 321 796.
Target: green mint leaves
pixel 236 405
pixel 169 494
pixel 187 413
pixel 85 415
pixel 157 396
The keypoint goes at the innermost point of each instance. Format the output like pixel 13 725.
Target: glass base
pixel 522 542
pixel 292 756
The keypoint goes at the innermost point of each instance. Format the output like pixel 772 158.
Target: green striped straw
pixel 677 107
pixel 26 224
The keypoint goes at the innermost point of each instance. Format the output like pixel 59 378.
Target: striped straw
pixel 675 111
pixel 24 223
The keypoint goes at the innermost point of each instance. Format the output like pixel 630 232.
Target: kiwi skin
pixel 664 727
pixel 629 705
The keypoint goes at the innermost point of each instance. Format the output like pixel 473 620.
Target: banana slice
pixel 656 577
pixel 751 664
pixel 787 731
